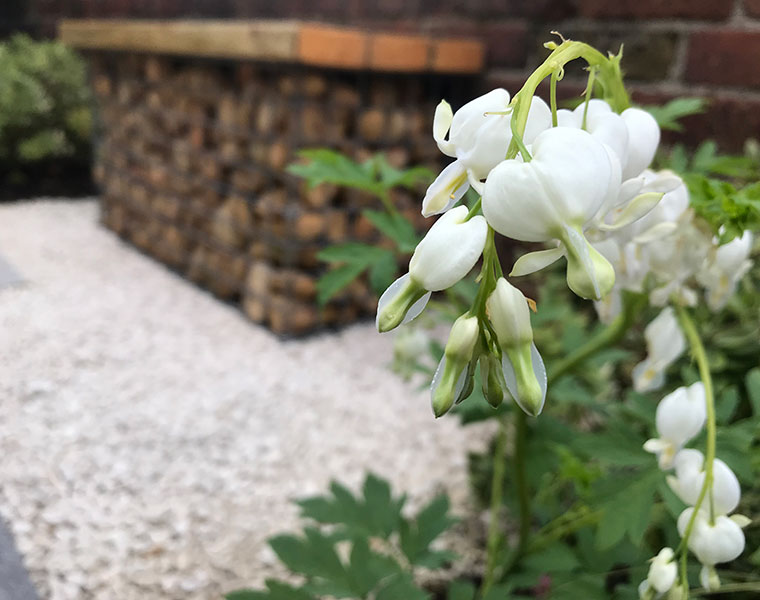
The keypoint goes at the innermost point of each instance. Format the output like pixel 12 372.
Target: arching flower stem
pixel 608 73
pixel 700 356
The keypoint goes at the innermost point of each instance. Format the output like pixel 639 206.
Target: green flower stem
pixel 609 75
pixel 700 356
pixel 521 483
pixel 730 587
pixel 497 487
pixel 553 96
pixel 632 306
pixel 474 210
pixel 562 526
pixel 589 93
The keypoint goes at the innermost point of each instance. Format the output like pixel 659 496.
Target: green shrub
pixel 44 106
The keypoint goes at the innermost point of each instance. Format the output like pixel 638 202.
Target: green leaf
pixel 726 405
pixel 353 252
pixel 329 166
pixel 401 587
pixel 336 280
pixel 628 507
pixel 377 513
pixel 752 381
pixel 276 590
pixel 382 272
pixel 417 534
pixel 368 569
pixel 396 227
pixel 313 556
pixel 554 559
pixel 461 590
pixel 668 115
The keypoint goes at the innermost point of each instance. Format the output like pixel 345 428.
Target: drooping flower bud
pixel 553 197
pixel 665 343
pixel 445 255
pixel 709 579
pixel 680 416
pixel 492 380
pixel 663 571
pixel 451 376
pixel 524 371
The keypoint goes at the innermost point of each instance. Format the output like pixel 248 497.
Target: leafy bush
pixel 44 106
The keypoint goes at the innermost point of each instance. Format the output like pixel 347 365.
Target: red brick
pixel 724 57
pixel 507 44
pixel 712 10
pixel 752 8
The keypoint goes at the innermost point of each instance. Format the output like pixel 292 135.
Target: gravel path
pixel 151 437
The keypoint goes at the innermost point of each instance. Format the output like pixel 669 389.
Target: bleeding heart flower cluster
pixel 669 252
pixel 578 173
pixel 709 529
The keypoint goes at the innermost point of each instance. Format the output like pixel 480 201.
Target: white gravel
pixel 151 436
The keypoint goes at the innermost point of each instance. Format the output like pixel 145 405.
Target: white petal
pixel 449 250
pixel 441 125
pixel 644 137
pixel 637 208
pixel 535 261
pixel 657 232
pixel 511 380
pixel 681 414
pixel 447 189
pixel 391 292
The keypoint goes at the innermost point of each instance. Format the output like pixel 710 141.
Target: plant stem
pixel 523 497
pixel 553 96
pixel 609 74
pixel 632 305
pixel 497 487
pixel 700 356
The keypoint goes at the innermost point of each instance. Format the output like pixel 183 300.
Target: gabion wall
pixel 192 161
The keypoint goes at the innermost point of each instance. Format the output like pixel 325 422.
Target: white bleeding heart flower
pixel 725 492
pixel 522 365
pixel 680 416
pixel 643 139
pixel 479 134
pixel 555 196
pixel 445 255
pixel 712 543
pixel 663 571
pixel 665 343
pixel 633 135
pixel 724 268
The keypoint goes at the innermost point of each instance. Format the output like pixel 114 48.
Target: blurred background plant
pixel 583 507
pixel 45 118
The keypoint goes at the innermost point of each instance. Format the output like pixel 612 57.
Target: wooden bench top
pixel 279 41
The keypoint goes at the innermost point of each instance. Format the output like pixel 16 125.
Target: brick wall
pixel 673 48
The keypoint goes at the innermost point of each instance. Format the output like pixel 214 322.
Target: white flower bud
pixel 509 314
pixel 680 416
pixel 665 343
pixel 522 365
pixel 663 571
pixel 449 250
pixel 709 579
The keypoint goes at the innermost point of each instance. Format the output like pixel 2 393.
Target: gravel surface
pixel 151 436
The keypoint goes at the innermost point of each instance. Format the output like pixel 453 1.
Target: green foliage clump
pixel 362 546
pixel 44 105
pixel 378 178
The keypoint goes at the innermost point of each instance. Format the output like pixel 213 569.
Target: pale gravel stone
pixel 152 437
